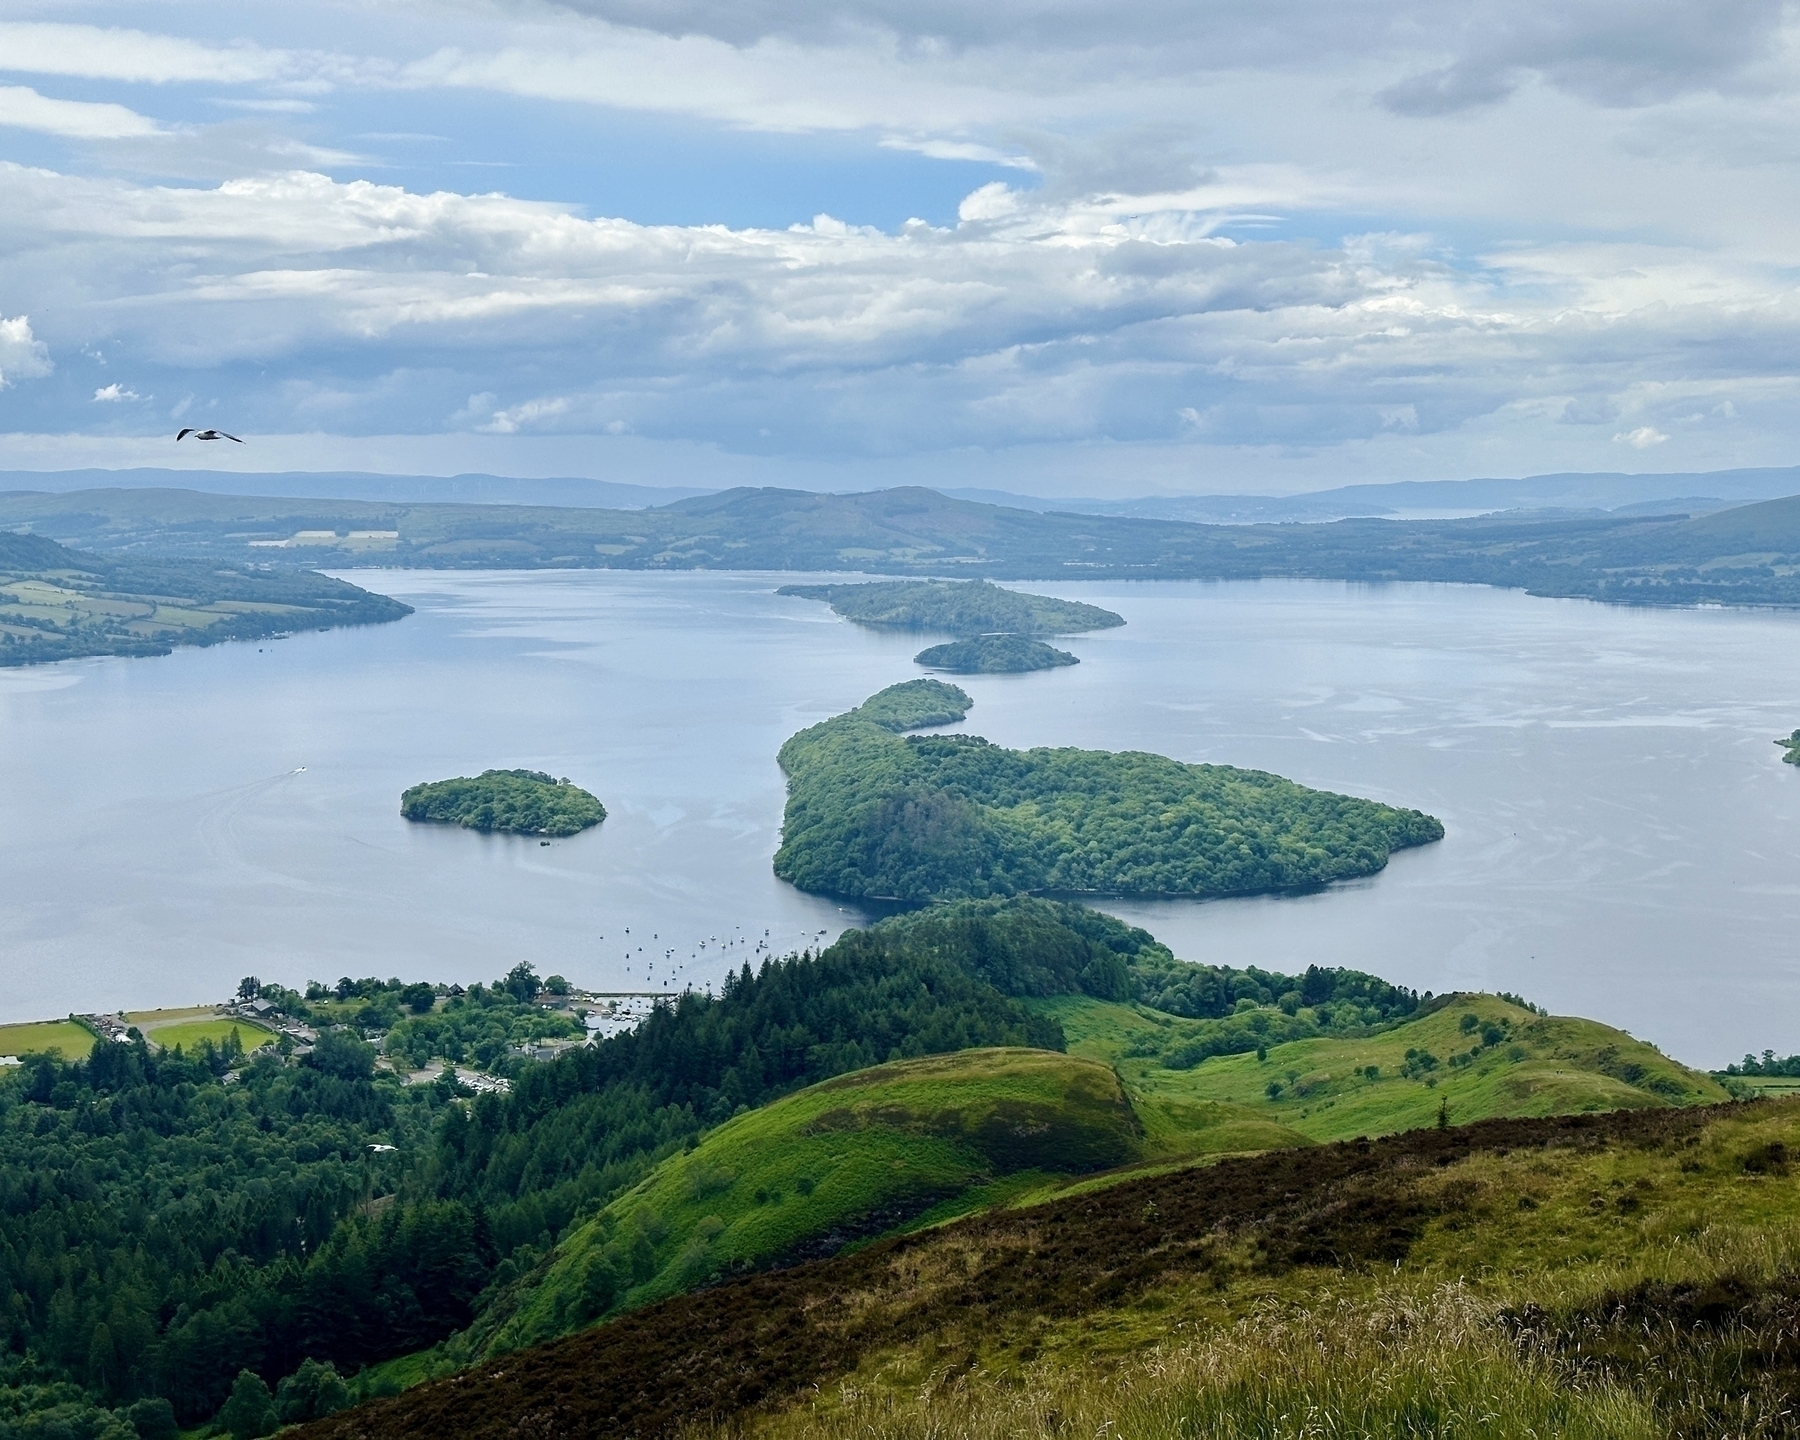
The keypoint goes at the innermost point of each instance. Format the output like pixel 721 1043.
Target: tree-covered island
pixel 875 813
pixel 1792 746
pixel 957 607
pixel 511 802
pixel 994 655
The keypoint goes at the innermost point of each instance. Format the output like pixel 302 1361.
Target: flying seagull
pixel 206 435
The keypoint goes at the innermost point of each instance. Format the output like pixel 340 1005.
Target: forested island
pixel 507 802
pixel 959 607
pixel 1792 746
pixel 878 814
pixel 994 655
pixel 62 604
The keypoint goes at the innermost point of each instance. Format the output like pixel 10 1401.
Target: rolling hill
pixel 917 1143
pixel 1633 1274
pixel 1745 555
pixel 847 1159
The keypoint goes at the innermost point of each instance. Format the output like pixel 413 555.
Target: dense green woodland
pixel 994 655
pixel 914 818
pixel 61 604
pixel 510 802
pixel 962 607
pixel 167 1223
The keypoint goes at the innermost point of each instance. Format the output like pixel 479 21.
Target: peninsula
pixel 510 802
pixel 875 813
pixel 63 604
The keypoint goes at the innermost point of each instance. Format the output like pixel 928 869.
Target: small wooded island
pixel 1792 745
pixel 874 812
pixel 957 607
pixel 508 802
pixel 994 655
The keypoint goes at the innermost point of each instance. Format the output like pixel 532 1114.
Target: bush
pixel 250 1412
pixel 311 1393
pixel 153 1419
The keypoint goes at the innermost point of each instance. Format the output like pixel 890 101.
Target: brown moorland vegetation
pixel 1357 1207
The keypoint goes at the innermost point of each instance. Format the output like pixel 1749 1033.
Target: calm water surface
pixel 1620 828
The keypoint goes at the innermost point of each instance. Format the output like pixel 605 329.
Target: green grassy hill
pixel 1632 1275
pixel 845 1159
pixel 1506 1061
pixel 918 1142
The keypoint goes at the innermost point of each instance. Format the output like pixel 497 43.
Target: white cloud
pixel 22 355
pixel 509 421
pixel 1036 320
pixel 1641 438
pixel 96 53
pixel 25 109
pixel 107 394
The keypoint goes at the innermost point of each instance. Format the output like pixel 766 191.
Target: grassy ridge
pixel 847 1158
pixel 1632 1274
pixel 924 1141
pixel 1531 1065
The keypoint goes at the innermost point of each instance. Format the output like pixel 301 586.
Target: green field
pixel 65 1037
pixel 189 1033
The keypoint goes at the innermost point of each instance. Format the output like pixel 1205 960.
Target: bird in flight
pixel 206 435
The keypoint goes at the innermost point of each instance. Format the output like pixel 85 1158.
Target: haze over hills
pixel 1616 492
pixel 469 489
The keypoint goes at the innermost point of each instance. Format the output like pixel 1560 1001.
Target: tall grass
pixel 1551 1358
pixel 1431 1366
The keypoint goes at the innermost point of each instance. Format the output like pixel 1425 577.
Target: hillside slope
pixel 848 1158
pixel 1476 1056
pixel 923 1141
pixel 1632 1274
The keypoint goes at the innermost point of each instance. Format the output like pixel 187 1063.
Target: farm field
pixel 65 1037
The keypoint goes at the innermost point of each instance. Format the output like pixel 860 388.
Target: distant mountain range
pixel 1741 555
pixel 472 489
pixel 1692 493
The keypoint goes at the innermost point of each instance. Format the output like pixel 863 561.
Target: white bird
pixel 205 435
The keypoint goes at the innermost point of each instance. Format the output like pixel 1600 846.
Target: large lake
pixel 1621 832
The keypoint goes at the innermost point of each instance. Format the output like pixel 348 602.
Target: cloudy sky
pixel 1061 246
